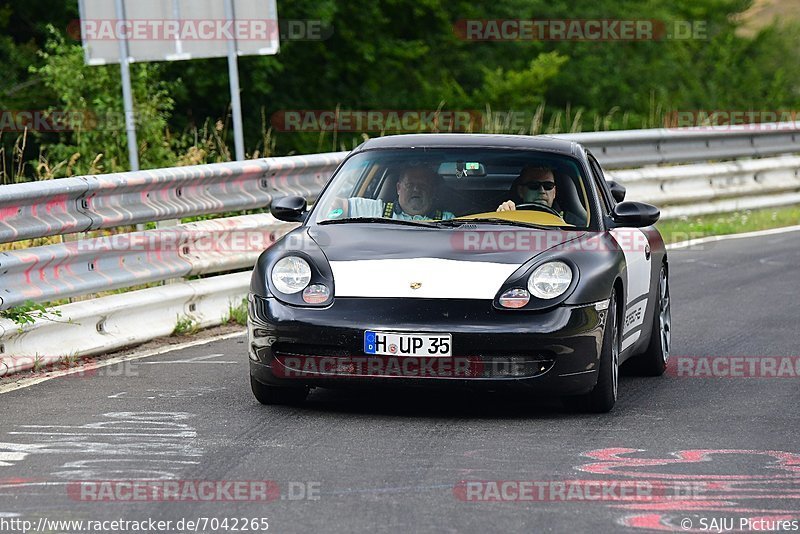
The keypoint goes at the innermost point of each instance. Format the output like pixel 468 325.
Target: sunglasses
pixel 533 186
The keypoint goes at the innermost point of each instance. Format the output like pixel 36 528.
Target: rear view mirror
pixel 289 209
pixel 634 214
pixel 462 169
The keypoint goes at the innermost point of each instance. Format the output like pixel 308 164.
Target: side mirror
pixel 289 209
pixel 617 190
pixel 635 214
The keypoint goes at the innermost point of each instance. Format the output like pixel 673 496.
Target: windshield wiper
pixel 381 220
pixel 494 220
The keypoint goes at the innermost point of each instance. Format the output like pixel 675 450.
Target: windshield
pixel 516 186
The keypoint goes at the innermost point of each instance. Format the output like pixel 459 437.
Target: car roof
pixel 456 140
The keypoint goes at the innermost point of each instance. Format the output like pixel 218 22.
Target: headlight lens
pixel 291 274
pixel 550 280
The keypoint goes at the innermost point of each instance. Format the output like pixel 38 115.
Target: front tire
pixel 269 395
pixel 604 395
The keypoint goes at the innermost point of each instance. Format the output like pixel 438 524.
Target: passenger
pixel 416 198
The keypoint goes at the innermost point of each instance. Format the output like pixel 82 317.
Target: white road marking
pixel 7 457
pixel 20 447
pixel 183 361
pixel 196 359
pixel 111 434
pixel 113 429
pixel 15 452
pixel 12 456
pixel 123 445
pixel 117 395
pixel 714 238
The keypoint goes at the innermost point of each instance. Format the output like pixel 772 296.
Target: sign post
pixel 127 94
pixel 233 75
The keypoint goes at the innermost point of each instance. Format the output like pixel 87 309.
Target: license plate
pixel 397 344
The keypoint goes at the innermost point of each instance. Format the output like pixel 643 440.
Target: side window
pixel 600 183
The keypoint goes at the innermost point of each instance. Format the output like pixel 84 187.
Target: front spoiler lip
pixel 545 385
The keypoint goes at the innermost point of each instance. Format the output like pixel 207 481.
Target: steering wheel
pixel 538 207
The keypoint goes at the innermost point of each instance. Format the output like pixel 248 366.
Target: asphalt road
pixel 392 461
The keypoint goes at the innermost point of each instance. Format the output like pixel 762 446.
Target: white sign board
pixel 171 30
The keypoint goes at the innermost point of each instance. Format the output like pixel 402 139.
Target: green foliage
pixel 185 326
pixel 237 314
pixel 28 313
pixel 94 94
pixel 520 89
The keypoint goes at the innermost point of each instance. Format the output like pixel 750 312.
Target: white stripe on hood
pixel 439 278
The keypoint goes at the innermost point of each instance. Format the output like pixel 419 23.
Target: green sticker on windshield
pixel 473 166
pixel 336 213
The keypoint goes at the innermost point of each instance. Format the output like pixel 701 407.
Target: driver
pixel 535 185
pixel 416 195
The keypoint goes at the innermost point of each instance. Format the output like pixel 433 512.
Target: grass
pixel 237 314
pixel 728 223
pixel 185 326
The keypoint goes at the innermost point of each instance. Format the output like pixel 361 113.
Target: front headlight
pixel 550 280
pixel 291 274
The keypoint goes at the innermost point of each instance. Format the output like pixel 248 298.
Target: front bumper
pixel 551 352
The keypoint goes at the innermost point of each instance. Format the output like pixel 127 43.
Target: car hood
pixel 372 260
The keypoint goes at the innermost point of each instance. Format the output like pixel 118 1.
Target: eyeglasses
pixel 535 185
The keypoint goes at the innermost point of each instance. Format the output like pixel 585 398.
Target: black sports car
pixel 486 261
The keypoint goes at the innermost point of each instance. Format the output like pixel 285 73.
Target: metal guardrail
pixel 85 203
pixel 697 189
pixel 106 263
pixel 633 148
